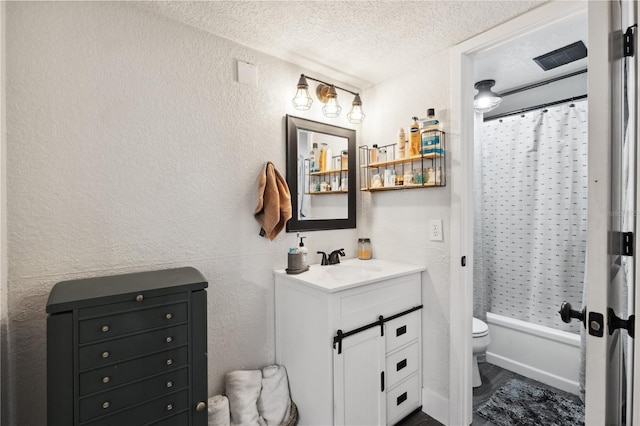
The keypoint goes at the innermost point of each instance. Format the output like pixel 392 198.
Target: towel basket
pixel 292 420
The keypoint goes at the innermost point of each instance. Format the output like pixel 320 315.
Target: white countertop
pixel 350 273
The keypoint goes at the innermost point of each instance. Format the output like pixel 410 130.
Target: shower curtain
pixel 531 214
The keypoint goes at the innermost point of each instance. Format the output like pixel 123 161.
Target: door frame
pixel 461 152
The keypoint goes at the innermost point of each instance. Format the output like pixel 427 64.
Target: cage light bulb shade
pixel 331 109
pixel 302 100
pixel 356 116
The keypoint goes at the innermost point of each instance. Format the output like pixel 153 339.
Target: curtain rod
pixel 542 83
pixel 533 108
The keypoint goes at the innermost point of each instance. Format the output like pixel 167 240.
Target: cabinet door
pixel 358 377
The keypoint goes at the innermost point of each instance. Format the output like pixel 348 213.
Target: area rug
pixel 520 404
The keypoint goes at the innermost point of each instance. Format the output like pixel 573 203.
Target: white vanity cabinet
pixel 372 374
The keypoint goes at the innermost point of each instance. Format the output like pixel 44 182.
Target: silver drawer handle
pixel 105 354
pixel 105 328
pixel 169 316
pixel 169 339
pixel 201 406
pixel 105 405
pixel 139 298
pixel 169 407
pixel 106 379
pixel 169 361
pixel 169 384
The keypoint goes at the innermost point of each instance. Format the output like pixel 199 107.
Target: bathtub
pixel 541 353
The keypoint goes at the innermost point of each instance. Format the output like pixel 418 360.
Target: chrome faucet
pixel 334 258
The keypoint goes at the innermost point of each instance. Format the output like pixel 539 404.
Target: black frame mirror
pixel 294 125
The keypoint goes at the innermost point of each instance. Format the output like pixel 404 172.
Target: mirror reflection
pixel 321 175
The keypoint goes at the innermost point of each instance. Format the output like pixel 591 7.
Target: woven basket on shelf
pixel 292 420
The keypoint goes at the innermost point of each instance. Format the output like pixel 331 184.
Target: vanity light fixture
pixel 326 93
pixel 486 100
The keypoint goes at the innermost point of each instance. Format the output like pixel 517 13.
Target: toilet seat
pixel 480 328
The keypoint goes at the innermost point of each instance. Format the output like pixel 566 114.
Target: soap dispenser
pixel 303 251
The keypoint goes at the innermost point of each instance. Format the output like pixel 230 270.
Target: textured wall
pixel 131 147
pixel 397 221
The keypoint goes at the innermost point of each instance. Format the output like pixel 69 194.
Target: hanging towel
pixel 274 202
pixel 274 403
pixel 243 389
pixel 218 410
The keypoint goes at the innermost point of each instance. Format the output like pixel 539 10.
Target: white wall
pixel 132 147
pixel 397 221
pixel 3 220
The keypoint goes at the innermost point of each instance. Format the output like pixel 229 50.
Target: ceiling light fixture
pixel 486 100
pixel 326 93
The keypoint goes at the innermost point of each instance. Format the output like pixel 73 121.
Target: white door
pixel 610 277
pixel 358 380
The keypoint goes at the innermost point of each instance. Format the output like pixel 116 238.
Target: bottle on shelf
pixel 323 157
pixel 313 165
pixel 401 144
pixel 430 134
pixel 414 138
pixel 328 159
pixel 344 160
pixel 374 153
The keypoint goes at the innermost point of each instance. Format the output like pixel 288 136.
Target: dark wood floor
pixel 492 378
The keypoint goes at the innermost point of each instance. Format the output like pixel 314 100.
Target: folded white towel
pixel 243 389
pixel 274 403
pixel 218 409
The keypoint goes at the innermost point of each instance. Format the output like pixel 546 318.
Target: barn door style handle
pixel 615 323
pixel 567 314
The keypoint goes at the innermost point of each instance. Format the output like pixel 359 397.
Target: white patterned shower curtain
pixel 530 225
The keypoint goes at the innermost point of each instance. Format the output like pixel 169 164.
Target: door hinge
pixel 628 41
pixel 622 243
pixel 615 323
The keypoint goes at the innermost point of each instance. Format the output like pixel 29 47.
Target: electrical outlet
pixel 435 230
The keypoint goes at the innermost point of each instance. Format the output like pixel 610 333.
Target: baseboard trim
pixel 435 406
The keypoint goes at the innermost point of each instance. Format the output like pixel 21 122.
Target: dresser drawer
pixel 143 302
pixel 402 330
pixel 403 399
pixel 95 329
pixel 146 413
pixel 122 397
pixel 402 364
pixel 129 371
pixel 112 351
pixel 179 420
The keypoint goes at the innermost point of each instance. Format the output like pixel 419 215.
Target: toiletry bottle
pixel 329 159
pixel 344 160
pixel 303 251
pixel 364 248
pixel 414 138
pixel 374 153
pixel 401 143
pixel 312 158
pixel 323 157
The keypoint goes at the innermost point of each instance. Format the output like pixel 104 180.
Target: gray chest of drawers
pixel 128 350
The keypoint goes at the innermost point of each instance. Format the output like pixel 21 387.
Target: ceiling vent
pixel 562 56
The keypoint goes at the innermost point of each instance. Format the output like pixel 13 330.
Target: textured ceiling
pixel 360 42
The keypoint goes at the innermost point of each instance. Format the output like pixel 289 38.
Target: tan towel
pixel 274 202
pixel 218 411
pixel 274 403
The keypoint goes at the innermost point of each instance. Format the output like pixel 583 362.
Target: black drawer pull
pixel 402 398
pixel 169 407
pixel 106 379
pixel 402 364
pixel 169 339
pixel 401 330
pixel 105 405
pixel 105 328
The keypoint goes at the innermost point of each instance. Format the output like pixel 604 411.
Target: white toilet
pixel 479 343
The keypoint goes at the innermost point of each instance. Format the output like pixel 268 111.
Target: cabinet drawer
pixel 402 364
pixel 105 353
pixel 403 399
pixel 362 305
pixel 122 397
pixel 129 371
pixel 146 413
pixel 179 420
pixel 132 305
pixel 402 330
pixel 95 329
